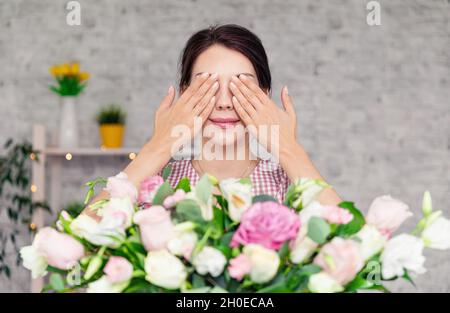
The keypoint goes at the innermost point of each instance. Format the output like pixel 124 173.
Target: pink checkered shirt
pixel 267 177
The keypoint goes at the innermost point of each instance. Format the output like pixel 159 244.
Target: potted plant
pixel 111 120
pixel 70 82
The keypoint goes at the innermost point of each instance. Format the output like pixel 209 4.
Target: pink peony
pixel 60 250
pixel 148 189
pixel 118 269
pixel 119 186
pixel 341 259
pixel 387 214
pixel 172 200
pixel 268 223
pixel 156 227
pixel 239 266
pixel 336 215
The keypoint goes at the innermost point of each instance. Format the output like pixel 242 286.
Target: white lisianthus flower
pixel 165 270
pixel 323 283
pixel 209 260
pixel 303 246
pixel 264 262
pixel 34 261
pixel 184 239
pixel 310 189
pixel 436 234
pixel 120 208
pixel 107 232
pixel 104 285
pixel 371 241
pixel 238 195
pixel 403 252
pixel 313 209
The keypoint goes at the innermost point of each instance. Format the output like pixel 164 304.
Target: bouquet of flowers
pixel 193 239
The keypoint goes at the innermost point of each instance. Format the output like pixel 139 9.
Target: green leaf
pixel 355 224
pixel 203 189
pixel 278 287
pixel 218 223
pixel 408 278
pixel 163 192
pixel 284 251
pixel 166 172
pixel 198 281
pixel 318 229
pixel 189 210
pixel 263 198
pixel 57 282
pixel 184 184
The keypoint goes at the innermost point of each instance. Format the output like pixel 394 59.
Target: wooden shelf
pixel 86 151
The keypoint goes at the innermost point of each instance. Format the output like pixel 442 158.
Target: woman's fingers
pixel 287 101
pixel 262 96
pixel 204 114
pixel 202 90
pixel 247 106
pixel 249 94
pixel 204 101
pixel 193 87
pixel 168 99
pixel 243 114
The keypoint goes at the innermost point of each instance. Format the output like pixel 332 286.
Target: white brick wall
pixel 373 102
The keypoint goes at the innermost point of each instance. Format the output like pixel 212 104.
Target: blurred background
pixel 372 101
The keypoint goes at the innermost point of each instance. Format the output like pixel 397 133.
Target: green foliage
pixel 318 229
pixel 111 114
pixel 355 224
pixel 69 85
pixel 162 193
pixel 74 208
pixel 15 197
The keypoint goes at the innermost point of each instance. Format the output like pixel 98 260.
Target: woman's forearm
pixel 149 161
pixel 297 164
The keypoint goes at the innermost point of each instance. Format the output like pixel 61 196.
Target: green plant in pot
pixel 111 120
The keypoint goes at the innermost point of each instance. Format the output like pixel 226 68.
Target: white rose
pixel 264 262
pixel 34 261
pixel 238 195
pixel 104 285
pixel 164 270
pixel 303 247
pixel 323 283
pixel 106 233
pixel 209 260
pixel 371 241
pixel 402 252
pixel 436 234
pixel 121 208
pixel 183 240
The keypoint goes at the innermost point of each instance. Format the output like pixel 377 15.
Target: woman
pixel 225 87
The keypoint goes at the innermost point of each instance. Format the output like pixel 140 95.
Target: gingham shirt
pixel 267 177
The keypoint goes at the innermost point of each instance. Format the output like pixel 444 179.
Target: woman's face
pixel 223 127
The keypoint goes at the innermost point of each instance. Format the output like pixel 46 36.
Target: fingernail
pixel 204 75
pixel 234 98
pixel 216 84
pixel 170 89
pixel 286 88
pixel 214 75
pixel 242 76
pixel 232 85
pixel 213 99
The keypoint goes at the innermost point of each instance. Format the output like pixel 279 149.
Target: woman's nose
pixel 224 95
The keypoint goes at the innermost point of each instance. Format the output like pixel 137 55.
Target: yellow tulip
pixel 75 69
pixel 84 76
pixel 54 70
pixel 65 69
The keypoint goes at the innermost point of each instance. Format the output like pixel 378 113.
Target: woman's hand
pixel 256 109
pixel 197 100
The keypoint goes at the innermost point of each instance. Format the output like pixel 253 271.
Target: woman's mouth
pixel 224 122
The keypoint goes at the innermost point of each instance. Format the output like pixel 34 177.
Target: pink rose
pixel 239 266
pixel 118 269
pixel 340 258
pixel 119 186
pixel 387 214
pixel 156 227
pixel 148 189
pixel 336 215
pixel 267 223
pixel 60 250
pixel 172 200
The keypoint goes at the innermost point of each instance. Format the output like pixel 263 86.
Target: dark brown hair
pixel 232 36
